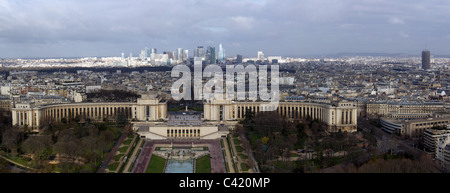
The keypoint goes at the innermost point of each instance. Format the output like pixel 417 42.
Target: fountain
pixel 181 153
pixel 181 159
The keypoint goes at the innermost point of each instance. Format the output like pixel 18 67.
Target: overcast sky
pixel 66 28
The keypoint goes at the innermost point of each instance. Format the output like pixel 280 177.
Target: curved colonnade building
pixel 151 119
pixel 147 108
pixel 338 116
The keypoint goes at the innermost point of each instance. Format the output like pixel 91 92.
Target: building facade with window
pixel 338 116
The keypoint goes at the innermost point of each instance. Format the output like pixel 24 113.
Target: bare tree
pixel 36 144
pixel 67 144
pixel 11 139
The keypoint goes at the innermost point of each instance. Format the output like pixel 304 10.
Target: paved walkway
pixel 239 161
pixel 144 157
pixel 15 163
pixel 133 155
pixel 130 147
pixel 228 156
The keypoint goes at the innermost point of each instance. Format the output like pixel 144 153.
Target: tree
pixel 249 114
pixel 67 144
pixel 4 165
pixel 107 136
pixel 11 139
pixel 36 144
pixel 64 120
pixel 90 147
pixel 121 119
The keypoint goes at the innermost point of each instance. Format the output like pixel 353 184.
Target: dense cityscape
pixel 105 114
pixel 247 95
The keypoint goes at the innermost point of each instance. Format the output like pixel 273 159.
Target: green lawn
pixel 123 149
pixel 242 156
pixel 117 157
pixel 20 160
pixel 203 165
pixel 128 141
pixel 253 137
pixel 239 149
pixel 244 167
pixel 113 167
pixel 196 108
pixel 156 164
pixel 236 141
pixel 184 108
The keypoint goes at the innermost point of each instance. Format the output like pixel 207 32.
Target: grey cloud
pixel 286 27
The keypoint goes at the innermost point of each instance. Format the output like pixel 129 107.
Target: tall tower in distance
pixel 261 56
pixel 239 59
pixel 211 52
pixel 426 60
pixel 221 54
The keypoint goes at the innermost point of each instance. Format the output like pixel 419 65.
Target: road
pixel 386 141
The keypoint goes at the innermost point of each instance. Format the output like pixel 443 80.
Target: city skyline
pixel 33 29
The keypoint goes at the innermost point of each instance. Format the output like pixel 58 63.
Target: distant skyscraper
pixel 186 54
pixel 123 55
pixel 199 52
pixel 169 54
pixel 221 54
pixel 426 60
pixel 211 52
pixel 180 54
pixel 147 52
pixel 153 51
pixel 261 56
pixel 239 58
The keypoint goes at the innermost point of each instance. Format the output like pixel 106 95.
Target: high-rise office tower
pixel 180 54
pixel 221 54
pixel 153 51
pixel 426 60
pixel 239 58
pixel 211 52
pixel 261 56
pixel 200 52
pixel 207 58
pixel 142 55
pixel 147 52
pixel 186 54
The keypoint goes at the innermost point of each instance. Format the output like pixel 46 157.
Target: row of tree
pixel 76 145
pixel 113 95
pixel 273 137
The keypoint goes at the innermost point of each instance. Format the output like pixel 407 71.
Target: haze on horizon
pixel 78 28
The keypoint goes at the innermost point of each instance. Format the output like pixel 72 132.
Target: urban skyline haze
pixel 41 28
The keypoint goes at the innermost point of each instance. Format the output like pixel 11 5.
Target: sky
pixel 80 28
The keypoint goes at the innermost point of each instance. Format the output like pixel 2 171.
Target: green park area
pixel 156 164
pixel 203 165
pixel 123 154
pixel 70 146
